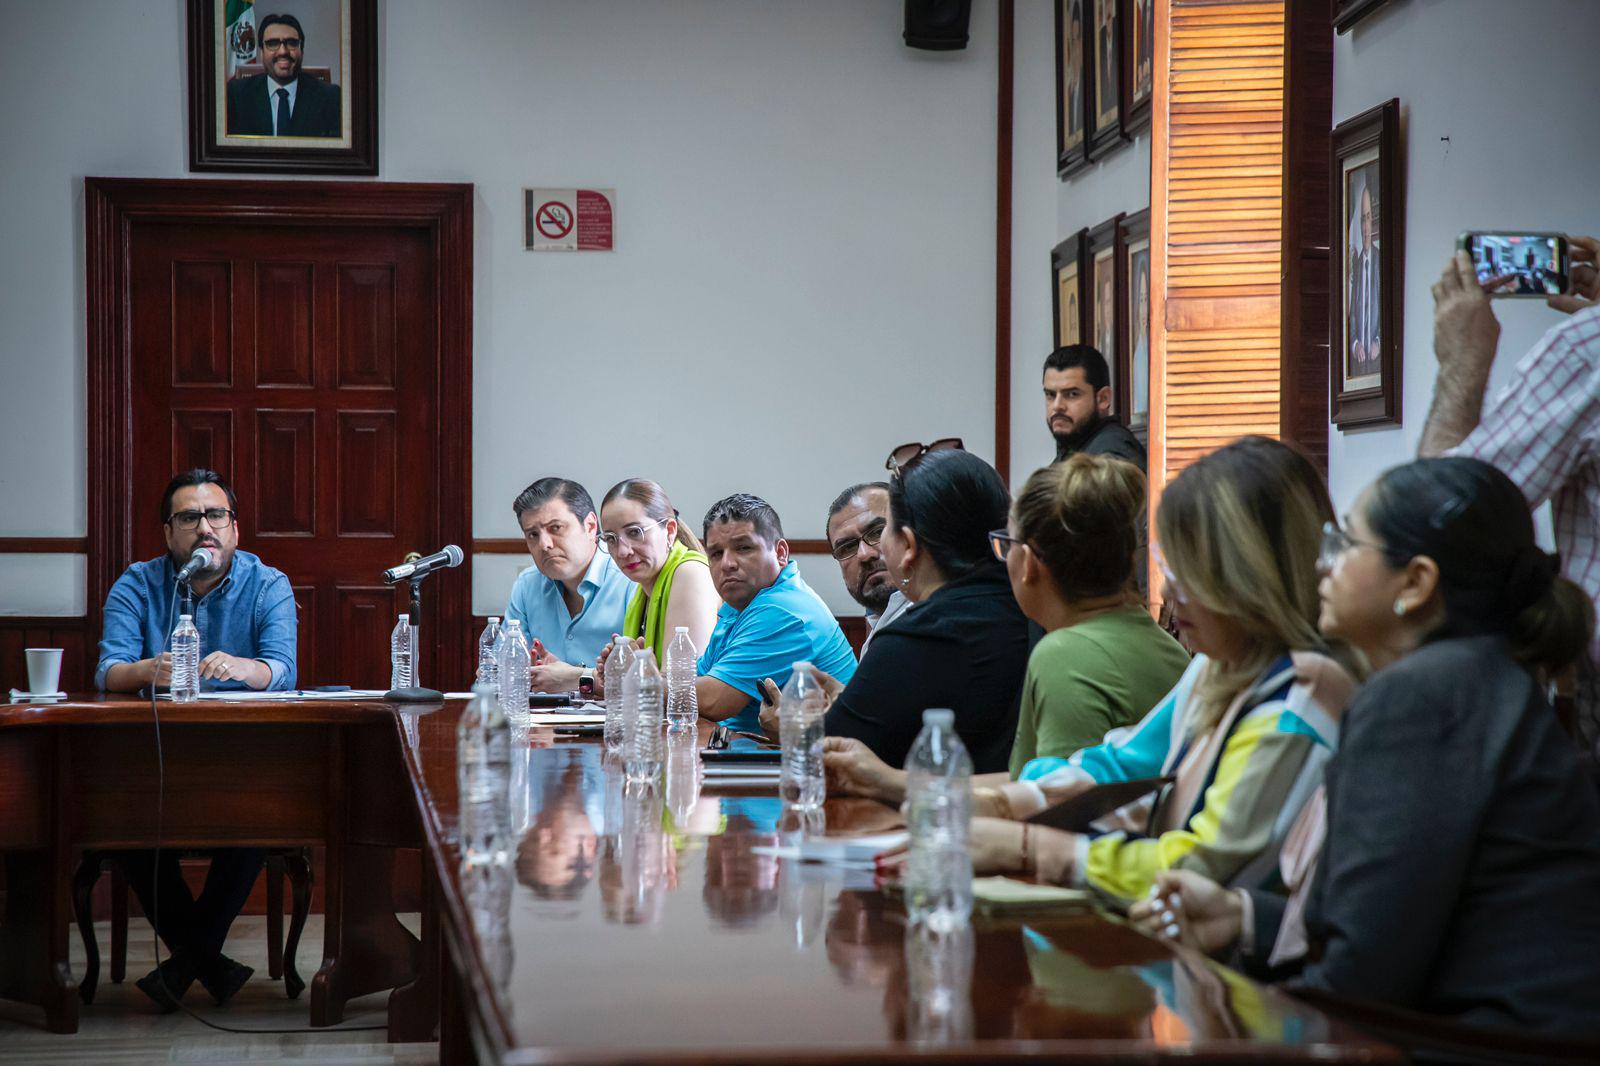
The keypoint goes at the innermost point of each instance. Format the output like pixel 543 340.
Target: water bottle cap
pixel 186 618
pixel 493 618
pixel 680 629
pixel 514 624
pixel 619 640
pixel 802 664
pixel 942 717
pixel 405 617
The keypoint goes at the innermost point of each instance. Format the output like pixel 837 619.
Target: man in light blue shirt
pixel 573 598
pixel 243 608
pixel 245 612
pixel 770 618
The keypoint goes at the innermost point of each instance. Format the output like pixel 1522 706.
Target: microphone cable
pixel 155 881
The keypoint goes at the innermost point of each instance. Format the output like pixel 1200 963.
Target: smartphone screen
pixel 1532 264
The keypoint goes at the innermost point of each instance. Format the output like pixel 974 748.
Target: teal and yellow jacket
pixel 1239 783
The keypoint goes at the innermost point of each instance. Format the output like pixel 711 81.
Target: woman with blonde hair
pixel 660 554
pixel 1249 726
pixel 1069 550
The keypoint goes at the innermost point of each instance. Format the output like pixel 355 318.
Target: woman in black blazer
pixel 1459 865
pixel 964 642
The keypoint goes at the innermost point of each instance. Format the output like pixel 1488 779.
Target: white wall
pixel 1522 153
pixel 804 265
pixel 1046 210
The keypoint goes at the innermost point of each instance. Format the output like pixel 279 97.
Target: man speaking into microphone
pixel 244 611
pixel 243 608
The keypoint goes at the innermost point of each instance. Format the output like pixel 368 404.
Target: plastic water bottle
pixel 402 666
pixel 185 680
pixel 938 813
pixel 683 702
pixel 513 679
pixel 801 707
pixel 643 738
pixel 488 654
pixel 616 669
pixel 483 780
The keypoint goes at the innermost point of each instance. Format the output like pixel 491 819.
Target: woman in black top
pixel 964 642
pixel 1459 870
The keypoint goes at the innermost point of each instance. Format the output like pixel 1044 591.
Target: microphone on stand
pixel 448 556
pixel 414 571
pixel 202 559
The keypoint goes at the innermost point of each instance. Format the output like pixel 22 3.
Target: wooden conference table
pixel 653 927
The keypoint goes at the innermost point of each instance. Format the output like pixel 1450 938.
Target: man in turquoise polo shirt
pixel 770 618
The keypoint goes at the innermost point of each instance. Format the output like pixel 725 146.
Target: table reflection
pixel 693 880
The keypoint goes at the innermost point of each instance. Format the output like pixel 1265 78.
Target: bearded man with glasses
pixel 244 611
pixel 855 526
pixel 280 102
pixel 243 608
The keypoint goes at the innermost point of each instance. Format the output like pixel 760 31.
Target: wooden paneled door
pixel 307 341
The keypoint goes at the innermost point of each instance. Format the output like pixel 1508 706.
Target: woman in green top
pixel 659 554
pixel 1103 663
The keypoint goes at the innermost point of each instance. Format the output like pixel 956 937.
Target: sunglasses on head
pixel 906 456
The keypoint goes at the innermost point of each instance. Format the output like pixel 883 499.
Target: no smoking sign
pixel 569 220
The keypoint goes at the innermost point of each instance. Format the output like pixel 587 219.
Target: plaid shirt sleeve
pixel 1540 428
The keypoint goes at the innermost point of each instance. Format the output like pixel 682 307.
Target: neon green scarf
pixel 647 615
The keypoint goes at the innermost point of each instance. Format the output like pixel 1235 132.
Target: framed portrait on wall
pixel 285 86
pixel 1141 75
pixel 1106 89
pixel 1066 278
pixel 1103 323
pixel 1072 108
pixel 1135 345
pixel 1366 261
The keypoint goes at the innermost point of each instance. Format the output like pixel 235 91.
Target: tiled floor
pixel 124 1027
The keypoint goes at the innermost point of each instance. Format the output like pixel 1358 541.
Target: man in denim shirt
pixel 245 613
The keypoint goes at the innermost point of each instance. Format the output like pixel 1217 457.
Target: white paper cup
pixel 44 670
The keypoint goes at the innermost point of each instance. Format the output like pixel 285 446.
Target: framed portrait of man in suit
pixel 1106 86
pixel 1066 271
pixel 1141 73
pixel 1072 108
pixel 1365 308
pixel 283 85
pixel 1135 294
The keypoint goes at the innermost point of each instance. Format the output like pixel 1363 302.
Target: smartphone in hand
pixel 1528 264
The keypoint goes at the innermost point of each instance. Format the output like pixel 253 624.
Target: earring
pixel 1399 608
pixel 904 582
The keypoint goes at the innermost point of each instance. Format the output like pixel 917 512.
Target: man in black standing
pixel 1077 407
pixel 280 102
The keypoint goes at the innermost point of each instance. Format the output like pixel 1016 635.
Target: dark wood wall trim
pixel 1307 179
pixel 44 545
pixel 111 208
pixel 1002 240
pixel 514 546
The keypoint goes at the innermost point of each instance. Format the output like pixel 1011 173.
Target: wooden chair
pixel 295 863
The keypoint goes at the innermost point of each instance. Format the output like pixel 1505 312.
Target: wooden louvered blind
pixel 1216 227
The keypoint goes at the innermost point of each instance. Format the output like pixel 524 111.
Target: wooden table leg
pixel 414 1008
pixel 34 965
pixel 365 948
